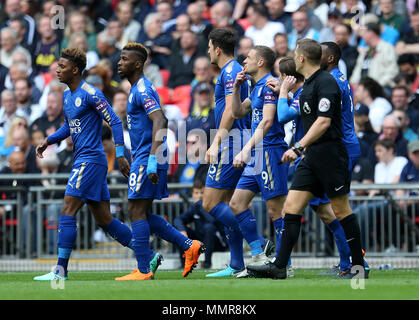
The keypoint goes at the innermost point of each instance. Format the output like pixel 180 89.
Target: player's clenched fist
pixel 240 79
pixel 124 166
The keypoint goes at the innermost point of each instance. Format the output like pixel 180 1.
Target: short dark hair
pixel 26 79
pixel 198 183
pixel 406 58
pixel 374 27
pixel 76 56
pixel 347 27
pixel 373 87
pixel 406 90
pixel 260 9
pixel 287 66
pixel 224 39
pixel 334 50
pixel 386 143
pixel 267 54
pixel 139 49
pixel 311 50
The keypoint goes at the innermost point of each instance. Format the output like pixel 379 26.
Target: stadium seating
pixel 181 97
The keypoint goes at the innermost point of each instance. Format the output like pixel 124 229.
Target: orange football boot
pixel 191 256
pixel 137 275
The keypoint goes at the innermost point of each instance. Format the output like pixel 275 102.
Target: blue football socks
pixel 141 244
pixel 248 227
pixel 67 233
pixel 223 213
pixel 341 244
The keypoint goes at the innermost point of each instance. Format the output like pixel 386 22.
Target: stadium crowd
pixel 379 40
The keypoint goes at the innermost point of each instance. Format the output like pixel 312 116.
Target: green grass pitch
pixel 169 285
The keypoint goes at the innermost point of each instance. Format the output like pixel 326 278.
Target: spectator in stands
pixel 181 64
pixel 119 105
pixel 23 90
pixel 281 46
pixel 202 113
pixel 13 9
pixel 106 47
pixel 343 34
pixel 379 61
pixel 409 42
pixel 362 173
pixel 370 93
pixel 199 25
pixel 65 157
pixel 409 66
pixel 387 33
pixel 334 17
pixel 22 142
pixel 261 30
pixel 17 165
pixel 9 46
pixel 79 40
pixel 389 16
pixel 221 13
pixel 400 99
pixel 47 48
pixel 410 173
pixel 205 229
pixel 301 28
pixel 277 13
pixel 96 81
pixel 131 28
pixel 53 118
pixel 78 22
pixel 37 136
pixel 164 8
pixel 183 23
pixel 245 45
pixel 152 72
pixel 392 131
pixel 407 132
pixel 364 131
pixel 115 29
pixel 155 40
pixel 389 166
pixel 8 109
pixel 19 25
pixel 202 71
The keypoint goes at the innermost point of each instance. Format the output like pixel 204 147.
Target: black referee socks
pixel 290 233
pixel 353 237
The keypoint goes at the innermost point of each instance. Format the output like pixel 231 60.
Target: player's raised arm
pixel 239 109
pixel 59 135
pixel 286 112
pixel 105 110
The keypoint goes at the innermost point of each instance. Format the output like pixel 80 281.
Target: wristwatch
pixel 297 148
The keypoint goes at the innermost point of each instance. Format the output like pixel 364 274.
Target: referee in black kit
pixel 324 168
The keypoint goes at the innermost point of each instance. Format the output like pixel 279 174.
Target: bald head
pixel 17 162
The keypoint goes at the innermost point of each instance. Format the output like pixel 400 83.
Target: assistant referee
pixel 324 168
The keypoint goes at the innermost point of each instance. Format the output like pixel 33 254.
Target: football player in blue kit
pixel 231 133
pixel 261 153
pixel 147 181
pixel 85 108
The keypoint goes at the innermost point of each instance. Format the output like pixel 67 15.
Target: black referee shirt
pixel 321 98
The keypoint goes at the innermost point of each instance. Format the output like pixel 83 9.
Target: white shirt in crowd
pixel 378 110
pixel 265 36
pixel 387 172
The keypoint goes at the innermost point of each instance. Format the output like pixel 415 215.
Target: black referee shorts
pixel 324 169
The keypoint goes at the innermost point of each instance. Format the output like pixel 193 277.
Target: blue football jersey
pixel 224 87
pixel 142 101
pixel 261 95
pixel 348 127
pixel 84 110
